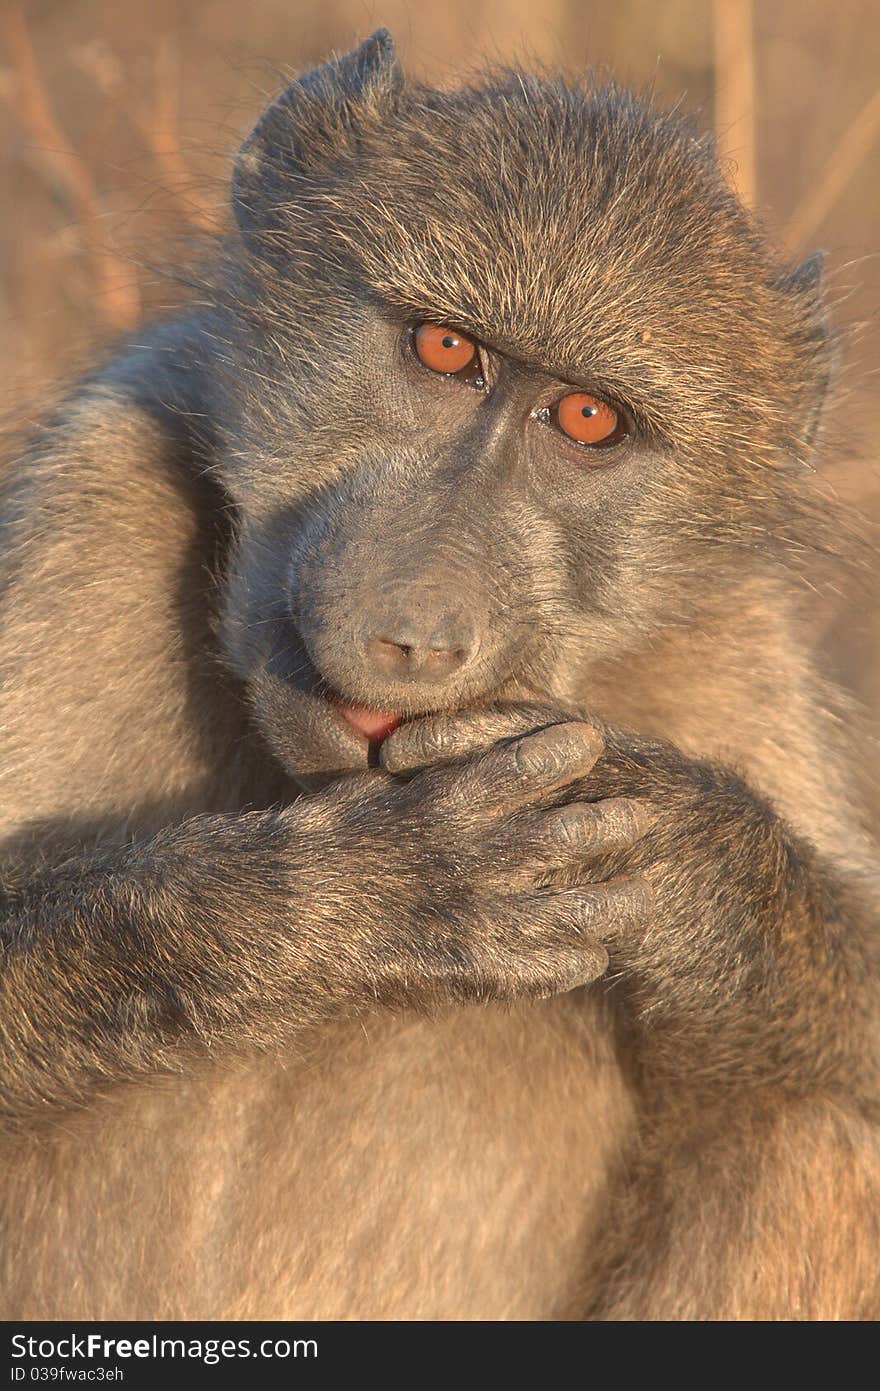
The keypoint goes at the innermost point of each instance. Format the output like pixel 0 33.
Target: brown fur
pixel 277 1056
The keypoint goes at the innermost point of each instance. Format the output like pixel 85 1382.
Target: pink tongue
pixel 375 725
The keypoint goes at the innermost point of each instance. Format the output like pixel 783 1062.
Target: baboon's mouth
pixel 366 723
pixel 374 725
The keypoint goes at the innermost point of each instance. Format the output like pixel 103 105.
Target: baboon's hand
pixel 718 862
pixel 450 888
pixel 705 822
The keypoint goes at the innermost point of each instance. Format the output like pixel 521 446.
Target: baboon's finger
pixel 565 838
pixel 453 734
pixel 514 774
pixel 535 953
pixel 601 911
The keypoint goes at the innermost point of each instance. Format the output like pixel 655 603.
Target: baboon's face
pixel 458 533
pixel 508 379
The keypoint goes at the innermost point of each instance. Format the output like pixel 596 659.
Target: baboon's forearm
pixel 764 978
pixel 763 1210
pixel 124 963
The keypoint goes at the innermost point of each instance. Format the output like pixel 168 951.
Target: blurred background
pixel 117 123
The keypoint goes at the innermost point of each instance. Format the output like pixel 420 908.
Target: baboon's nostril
pixel 402 653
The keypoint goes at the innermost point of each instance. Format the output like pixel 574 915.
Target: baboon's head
pixel 507 376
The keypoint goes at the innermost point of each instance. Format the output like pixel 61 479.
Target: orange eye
pixel 587 420
pixel 444 349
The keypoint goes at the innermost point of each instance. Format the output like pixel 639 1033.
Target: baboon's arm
pixel 754 1001
pixel 117 949
pixel 114 964
pixel 765 1209
pixel 239 930
pixel 144 919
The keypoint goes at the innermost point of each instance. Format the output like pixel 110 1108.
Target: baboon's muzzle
pixel 407 644
pixel 395 596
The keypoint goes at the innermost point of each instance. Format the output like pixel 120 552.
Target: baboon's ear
pixel 804 285
pixel 310 123
pixel 811 339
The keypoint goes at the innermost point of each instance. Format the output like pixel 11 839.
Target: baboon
pixel 434 881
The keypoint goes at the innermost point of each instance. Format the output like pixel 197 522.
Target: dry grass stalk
pixel 161 134
pixel 848 154
pixel 734 63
